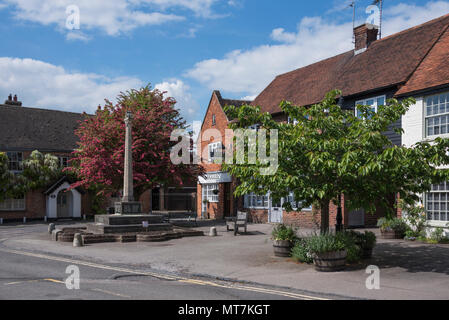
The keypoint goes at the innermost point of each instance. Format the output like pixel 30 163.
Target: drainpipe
pixel 339 225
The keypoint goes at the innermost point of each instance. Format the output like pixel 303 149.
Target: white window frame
pixel 20 162
pixel 208 192
pixel 254 201
pixel 438 199
pixel 436 107
pixel 365 102
pixel 13 205
pixel 213 148
pixel 61 162
pixel 294 203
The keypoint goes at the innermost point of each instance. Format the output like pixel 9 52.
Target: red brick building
pixel 413 62
pixel 23 130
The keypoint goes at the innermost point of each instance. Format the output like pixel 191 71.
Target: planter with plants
pixel 283 238
pixel 392 228
pixel 366 241
pixel 328 252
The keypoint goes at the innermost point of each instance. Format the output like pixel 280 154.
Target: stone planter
pixel 330 261
pixel 391 234
pixel 282 248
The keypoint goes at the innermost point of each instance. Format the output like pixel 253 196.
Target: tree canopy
pixel 39 171
pixel 99 159
pixel 328 151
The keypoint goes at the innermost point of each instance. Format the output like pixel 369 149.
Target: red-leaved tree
pixel 98 161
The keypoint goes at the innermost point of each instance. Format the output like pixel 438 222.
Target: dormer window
pixel 374 103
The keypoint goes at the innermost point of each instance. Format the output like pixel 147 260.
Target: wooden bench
pixel 236 223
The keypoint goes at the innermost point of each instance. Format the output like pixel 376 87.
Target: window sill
pixel 438 224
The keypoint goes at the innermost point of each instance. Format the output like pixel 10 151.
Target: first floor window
pixel 374 103
pixel 437 202
pixel 437 114
pixel 215 151
pixel 15 161
pixel 210 192
pixel 12 204
pixel 63 162
pixel 255 201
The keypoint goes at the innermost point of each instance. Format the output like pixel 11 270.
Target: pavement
pixel 407 270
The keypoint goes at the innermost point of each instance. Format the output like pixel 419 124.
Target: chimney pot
pixel 365 35
pixel 13 101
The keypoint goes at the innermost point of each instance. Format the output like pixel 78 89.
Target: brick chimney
pixel 364 35
pixel 13 101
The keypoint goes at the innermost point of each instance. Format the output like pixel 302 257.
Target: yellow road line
pixel 19 282
pixel 54 280
pixel 166 277
pixel 110 293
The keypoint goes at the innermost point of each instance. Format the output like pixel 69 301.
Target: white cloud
pixel 249 72
pixel 181 92
pixel 44 85
pixel 403 16
pixel 201 8
pixel 113 17
pixel 77 36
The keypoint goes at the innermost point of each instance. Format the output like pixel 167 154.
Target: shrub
pixel 351 241
pixel 365 240
pixel 437 236
pixel 282 232
pixel 415 218
pixel 397 225
pixel 301 252
pixel 325 243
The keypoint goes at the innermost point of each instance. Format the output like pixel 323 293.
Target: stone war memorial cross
pixel 128 205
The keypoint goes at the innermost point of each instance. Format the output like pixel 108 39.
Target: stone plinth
pixel 98 228
pixel 115 219
pixel 128 207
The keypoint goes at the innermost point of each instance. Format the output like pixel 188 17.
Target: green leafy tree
pixel 39 171
pixel 328 152
pixel 5 176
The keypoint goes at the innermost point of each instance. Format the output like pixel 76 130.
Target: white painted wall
pixel 52 207
pixel 414 131
pixel 413 124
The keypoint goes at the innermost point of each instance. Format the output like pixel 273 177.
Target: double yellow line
pixel 233 286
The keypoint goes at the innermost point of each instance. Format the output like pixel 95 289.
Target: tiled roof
pixel 230 102
pixel 387 62
pixel 25 129
pixel 433 71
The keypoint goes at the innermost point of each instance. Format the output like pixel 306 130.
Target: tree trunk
pixel 324 216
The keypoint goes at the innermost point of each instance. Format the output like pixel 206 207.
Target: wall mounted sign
pixel 215 177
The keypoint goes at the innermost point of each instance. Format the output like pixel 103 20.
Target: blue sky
pixel 187 48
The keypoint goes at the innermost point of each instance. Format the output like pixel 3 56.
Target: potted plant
pixel 283 240
pixel 215 192
pixel 392 228
pixel 366 241
pixel 328 252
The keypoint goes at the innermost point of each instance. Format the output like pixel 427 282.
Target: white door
pixel 275 212
pixel 356 218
